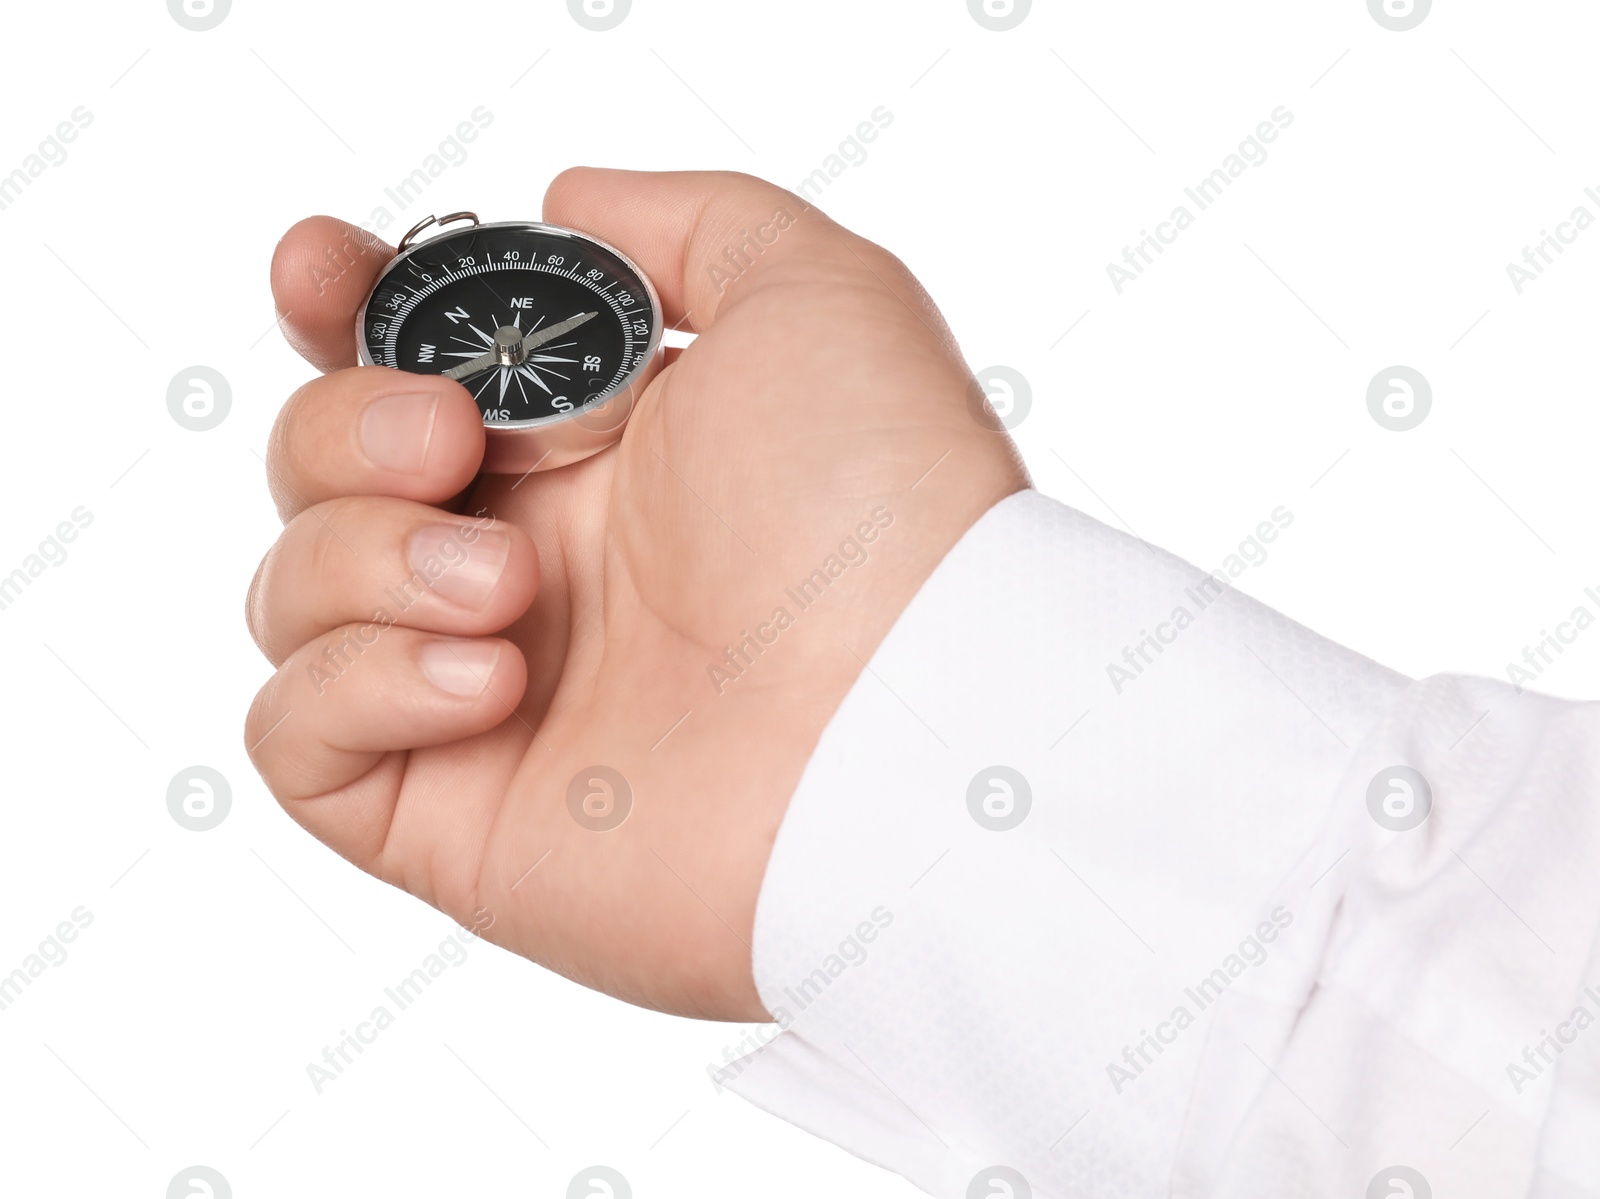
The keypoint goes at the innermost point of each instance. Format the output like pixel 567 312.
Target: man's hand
pixel 457 654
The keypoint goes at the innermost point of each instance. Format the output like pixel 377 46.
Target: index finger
pixel 322 272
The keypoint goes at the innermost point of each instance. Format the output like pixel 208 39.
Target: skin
pixel 823 385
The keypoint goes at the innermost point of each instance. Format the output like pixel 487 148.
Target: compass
pixel 555 334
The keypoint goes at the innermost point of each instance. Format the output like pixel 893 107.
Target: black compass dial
pixel 536 322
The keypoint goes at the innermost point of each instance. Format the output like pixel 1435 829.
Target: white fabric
pixel 997 1012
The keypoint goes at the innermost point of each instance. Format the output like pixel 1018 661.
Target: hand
pixel 431 727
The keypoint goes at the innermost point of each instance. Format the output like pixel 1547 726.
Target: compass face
pixel 537 322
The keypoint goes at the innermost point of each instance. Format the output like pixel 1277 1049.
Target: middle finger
pixel 363 558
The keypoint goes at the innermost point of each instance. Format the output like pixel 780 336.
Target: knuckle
pixel 257 722
pixel 283 457
pixel 308 563
pixel 254 607
pixel 324 552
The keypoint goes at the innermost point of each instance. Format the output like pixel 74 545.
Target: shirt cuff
pixel 1049 817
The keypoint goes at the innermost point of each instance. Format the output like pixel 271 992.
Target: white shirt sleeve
pixel 1106 880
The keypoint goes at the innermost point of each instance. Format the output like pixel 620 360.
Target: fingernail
pixel 464 574
pixel 460 667
pixel 396 430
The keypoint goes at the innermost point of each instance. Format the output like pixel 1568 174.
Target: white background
pixel 1231 378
